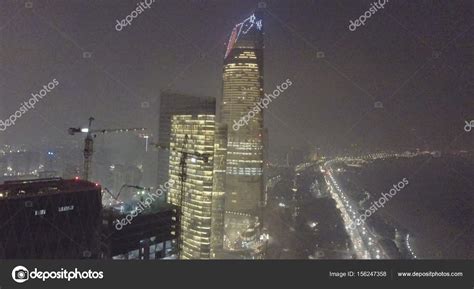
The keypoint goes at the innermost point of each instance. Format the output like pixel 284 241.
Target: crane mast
pixel 185 153
pixel 88 151
pixel 89 142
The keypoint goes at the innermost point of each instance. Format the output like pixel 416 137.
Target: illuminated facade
pixel 172 103
pixel 242 89
pixel 218 194
pixel 193 135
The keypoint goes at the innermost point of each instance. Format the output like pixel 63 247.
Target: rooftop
pixel 28 188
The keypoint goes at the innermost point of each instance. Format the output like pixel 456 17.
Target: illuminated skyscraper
pixel 242 89
pixel 172 103
pixel 192 152
pixel 218 194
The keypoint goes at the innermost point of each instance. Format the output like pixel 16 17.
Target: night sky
pixel 413 56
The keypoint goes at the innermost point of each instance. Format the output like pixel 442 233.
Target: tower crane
pixel 89 141
pixel 185 153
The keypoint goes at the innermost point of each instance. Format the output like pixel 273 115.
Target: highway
pixel 364 241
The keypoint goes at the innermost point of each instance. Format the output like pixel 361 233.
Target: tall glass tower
pixel 192 136
pixel 242 89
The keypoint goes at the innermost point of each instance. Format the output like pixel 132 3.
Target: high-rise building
pixel 191 168
pixel 53 219
pixel 150 235
pixel 242 90
pixel 177 104
pixel 218 193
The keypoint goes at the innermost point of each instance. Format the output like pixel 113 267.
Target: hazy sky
pixel 413 56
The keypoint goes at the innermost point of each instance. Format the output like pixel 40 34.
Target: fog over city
pixel 228 130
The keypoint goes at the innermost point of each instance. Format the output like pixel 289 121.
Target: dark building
pixel 150 235
pixel 177 104
pixel 50 219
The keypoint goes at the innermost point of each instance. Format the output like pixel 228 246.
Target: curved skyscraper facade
pixel 242 90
